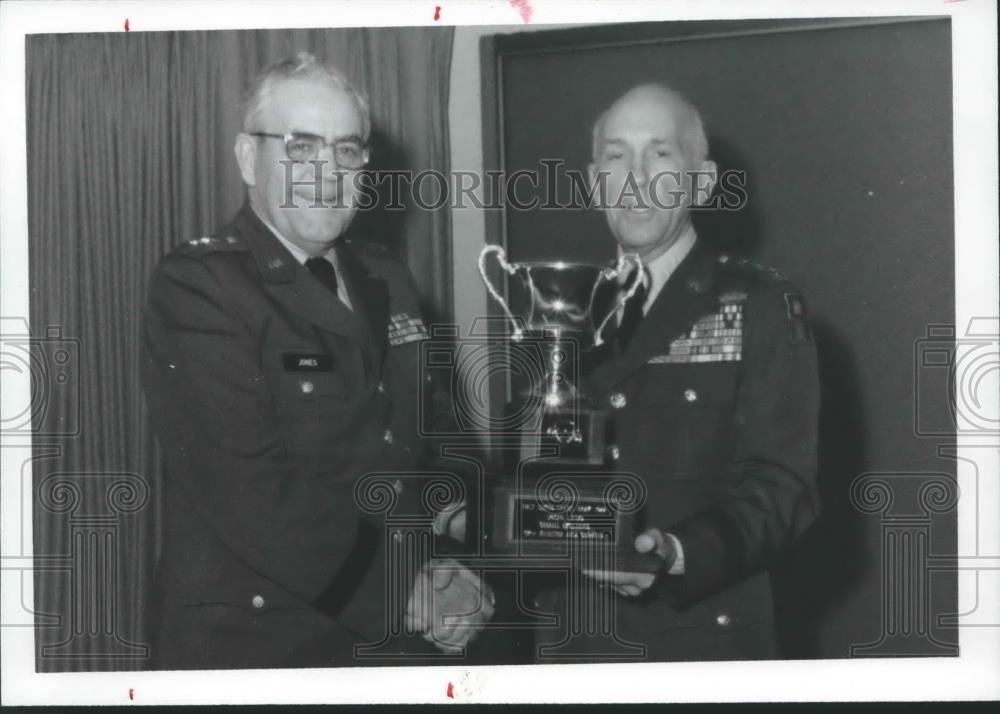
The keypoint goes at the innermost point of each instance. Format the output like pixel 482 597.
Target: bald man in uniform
pixel 711 386
pixel 281 370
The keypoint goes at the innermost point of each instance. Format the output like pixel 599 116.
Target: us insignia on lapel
pixel 717 337
pixel 403 329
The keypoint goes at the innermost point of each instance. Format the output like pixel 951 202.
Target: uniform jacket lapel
pixel 293 286
pixel 370 297
pixel 686 296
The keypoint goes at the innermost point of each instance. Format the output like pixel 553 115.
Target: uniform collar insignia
pixel 273 259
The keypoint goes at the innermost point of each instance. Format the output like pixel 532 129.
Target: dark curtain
pixel 130 153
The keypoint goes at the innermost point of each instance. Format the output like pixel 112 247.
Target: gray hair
pixel 694 139
pixel 303 66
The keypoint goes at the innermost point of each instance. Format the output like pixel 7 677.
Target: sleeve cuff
pixel 677 567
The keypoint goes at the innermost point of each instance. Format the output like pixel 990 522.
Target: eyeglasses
pixel 348 153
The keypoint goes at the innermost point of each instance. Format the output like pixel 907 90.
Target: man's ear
pixel 245 149
pixel 704 181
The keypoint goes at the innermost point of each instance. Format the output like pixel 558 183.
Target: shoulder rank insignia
pixel 205 242
pixel 403 329
pixel 716 337
pixel 770 274
pixel 209 243
pixel 736 296
pixel 370 247
pixel 798 328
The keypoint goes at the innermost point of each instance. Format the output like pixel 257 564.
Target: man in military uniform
pixel 281 368
pixel 711 385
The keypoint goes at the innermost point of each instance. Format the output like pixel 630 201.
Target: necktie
pixel 632 315
pixel 323 270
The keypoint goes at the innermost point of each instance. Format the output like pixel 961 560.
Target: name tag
pixel 307 362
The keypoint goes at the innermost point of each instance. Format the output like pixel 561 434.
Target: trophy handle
pixel 510 270
pixel 611 274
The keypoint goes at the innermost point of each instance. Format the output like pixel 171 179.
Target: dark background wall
pixel 844 131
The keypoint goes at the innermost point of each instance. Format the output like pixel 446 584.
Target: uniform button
pixel 257 601
pixel 723 258
pixel 381 388
pixel 397 486
pixel 614 452
pixel 388 436
pixel 723 620
pixel 618 400
pixel 307 387
pixel 690 395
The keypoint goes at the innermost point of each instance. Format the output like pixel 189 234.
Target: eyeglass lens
pixel 306 147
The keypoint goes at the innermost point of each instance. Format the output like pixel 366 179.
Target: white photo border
pixel 972 676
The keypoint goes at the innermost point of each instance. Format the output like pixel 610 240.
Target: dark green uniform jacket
pixel 272 402
pixel 714 405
